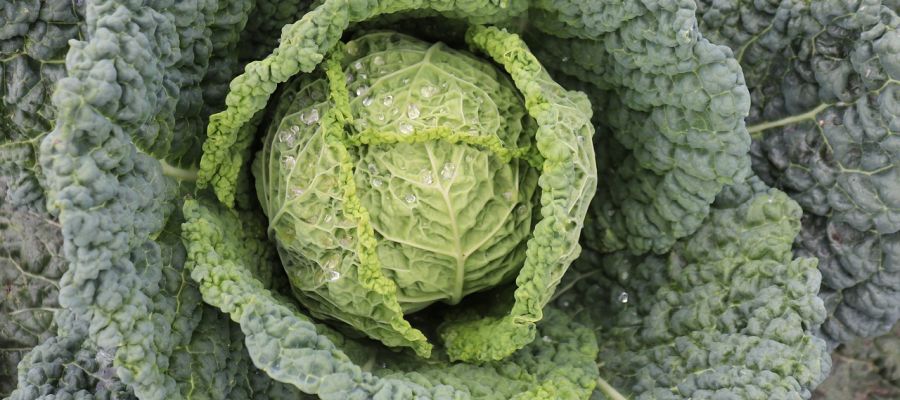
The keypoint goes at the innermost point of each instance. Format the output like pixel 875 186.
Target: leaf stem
pixel 178 173
pixel 811 114
pixel 608 390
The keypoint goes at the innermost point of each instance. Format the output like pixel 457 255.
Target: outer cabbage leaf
pixel 264 24
pixel 824 84
pixel 132 87
pixel 34 39
pixel 727 313
pixel 669 106
pixel 228 254
pixel 864 369
pixel 69 366
pixel 31 264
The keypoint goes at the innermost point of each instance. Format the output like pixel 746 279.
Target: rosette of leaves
pixel 413 191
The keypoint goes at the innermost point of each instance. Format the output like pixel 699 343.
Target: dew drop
pixel 367 102
pixel 623 297
pixel 406 128
pixel 380 117
pixel 448 171
pixel 410 198
pixel 295 129
pixel 507 195
pixel 287 137
pixel 546 339
pixel 405 81
pixel 427 177
pixel 333 275
pixel 376 182
pixel 289 162
pixel 349 78
pixel 310 118
pixel 412 111
pixel 373 168
pixel 362 90
pixel 357 66
pixel 346 241
pixel 566 304
pixel 388 100
pixel 362 76
pixel 378 60
pixel 623 276
pixel 352 48
pixel 580 138
pixel 521 210
pixel 565 59
pixel 297 192
pixel 428 91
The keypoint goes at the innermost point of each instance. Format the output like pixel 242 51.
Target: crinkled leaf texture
pixel 229 258
pixel 824 79
pixel 135 85
pixel 34 37
pixel 669 108
pixel 31 264
pixel 727 313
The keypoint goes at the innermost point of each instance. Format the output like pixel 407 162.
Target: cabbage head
pixel 401 173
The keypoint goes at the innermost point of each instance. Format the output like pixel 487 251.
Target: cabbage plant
pixel 163 274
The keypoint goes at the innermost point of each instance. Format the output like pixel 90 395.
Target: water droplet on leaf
pixel 310 118
pixel 378 60
pixel 287 137
pixel 412 111
pixel 427 178
pixel 521 210
pixel 289 162
pixel 428 91
pixel 376 182
pixel 367 102
pixel 333 275
pixel 410 198
pixel 406 128
pixel 362 90
pixel 388 100
pixel 448 171
pixel 623 297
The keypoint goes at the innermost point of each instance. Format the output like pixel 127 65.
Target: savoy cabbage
pixel 342 199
